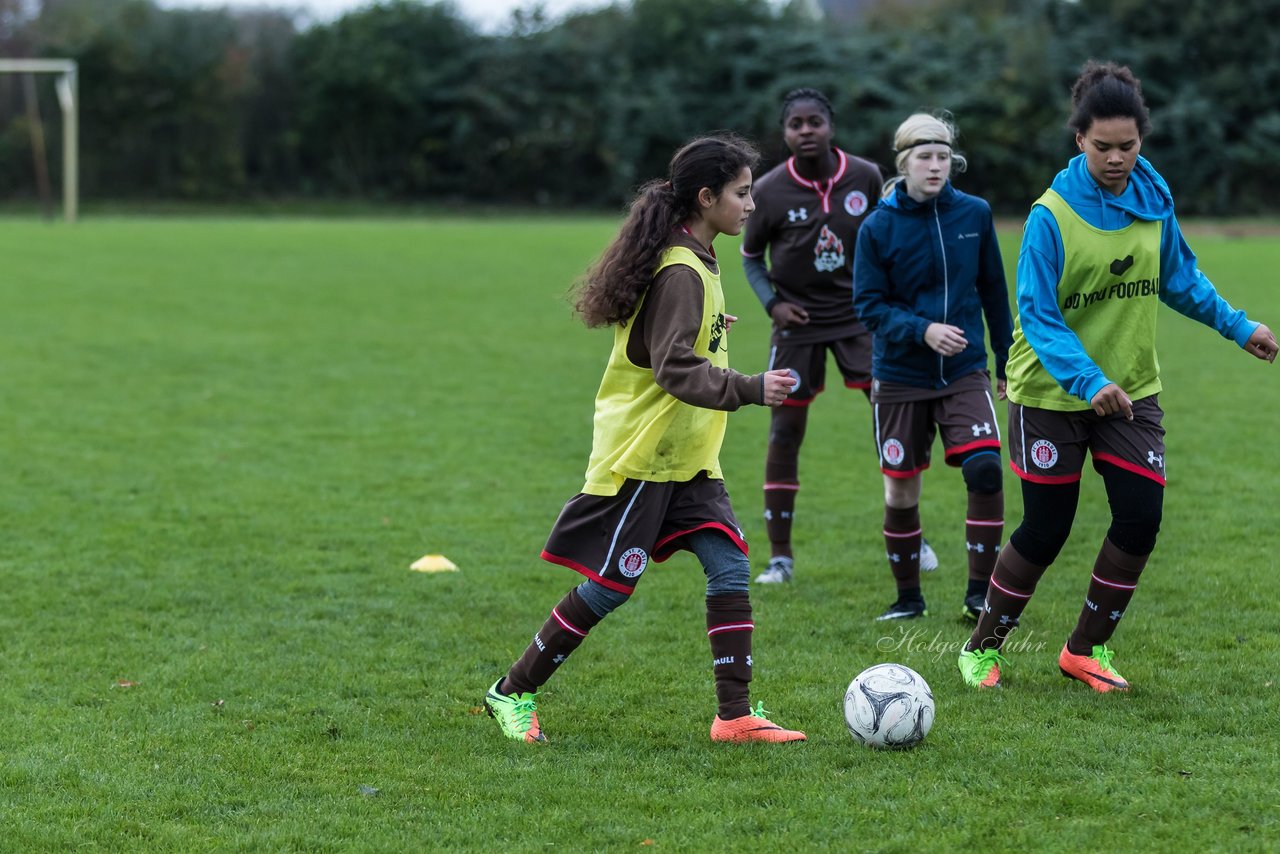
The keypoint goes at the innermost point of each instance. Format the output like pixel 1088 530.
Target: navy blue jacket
pixel 932 262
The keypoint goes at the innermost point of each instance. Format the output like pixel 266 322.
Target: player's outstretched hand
pixel 788 314
pixel 945 339
pixel 1110 400
pixel 777 385
pixel 1262 343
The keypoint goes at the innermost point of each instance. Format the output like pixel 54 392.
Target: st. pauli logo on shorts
pixel 855 204
pixel 893 453
pixel 1044 454
pixel 633 562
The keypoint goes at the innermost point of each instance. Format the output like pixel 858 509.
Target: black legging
pixel 1137 505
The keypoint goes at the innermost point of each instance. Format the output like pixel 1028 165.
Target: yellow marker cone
pixel 433 563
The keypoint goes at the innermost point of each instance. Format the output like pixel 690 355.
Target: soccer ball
pixel 888 705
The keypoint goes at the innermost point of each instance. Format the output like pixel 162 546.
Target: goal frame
pixel 67 86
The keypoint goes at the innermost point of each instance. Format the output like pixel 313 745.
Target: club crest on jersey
pixel 855 204
pixel 633 562
pixel 797 214
pixel 1044 454
pixel 893 452
pixel 828 251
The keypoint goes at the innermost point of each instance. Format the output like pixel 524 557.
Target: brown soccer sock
pixel 1012 583
pixel 560 635
pixel 983 532
pixel 782 475
pixel 729 628
pixel 902 545
pixel 779 510
pixel 1115 577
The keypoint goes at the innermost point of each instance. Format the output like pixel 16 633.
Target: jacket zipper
pixel 946 282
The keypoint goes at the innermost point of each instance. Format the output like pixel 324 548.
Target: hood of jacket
pixel 1146 197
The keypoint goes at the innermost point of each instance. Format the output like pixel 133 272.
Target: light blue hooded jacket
pixel 1182 286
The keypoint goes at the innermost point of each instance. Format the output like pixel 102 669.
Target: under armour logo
pixel 748 661
pixel 893 556
pixel 1005 619
pixel 1116 615
pixel 559 659
pixel 797 214
pixel 1119 265
pixel 975 547
pixel 768 515
pixel 978 431
pixel 1155 459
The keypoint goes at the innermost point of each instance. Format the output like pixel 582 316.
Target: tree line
pixel 408 101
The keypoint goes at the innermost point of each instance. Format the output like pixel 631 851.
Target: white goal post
pixel 67 87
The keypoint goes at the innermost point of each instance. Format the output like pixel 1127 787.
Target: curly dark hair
pixel 609 292
pixel 1105 90
pixel 805 94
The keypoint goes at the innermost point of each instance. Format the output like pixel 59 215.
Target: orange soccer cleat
pixel 1093 670
pixel 752 727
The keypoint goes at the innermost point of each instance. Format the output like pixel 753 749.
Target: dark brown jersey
pixel 809 229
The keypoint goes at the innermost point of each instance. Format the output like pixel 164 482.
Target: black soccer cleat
pixel 905 609
pixel 973 605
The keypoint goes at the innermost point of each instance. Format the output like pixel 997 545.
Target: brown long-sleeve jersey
pixel 665 330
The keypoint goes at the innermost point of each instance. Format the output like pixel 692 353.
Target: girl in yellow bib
pixel 653 483
pixel 1100 251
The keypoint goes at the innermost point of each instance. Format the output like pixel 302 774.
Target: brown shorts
pixel 611 538
pixel 853 359
pixel 964 413
pixel 1047 446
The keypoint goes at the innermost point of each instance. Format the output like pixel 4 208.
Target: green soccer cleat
pixel 517 714
pixel 981 667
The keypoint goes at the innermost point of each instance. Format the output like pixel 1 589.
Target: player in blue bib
pixel 1100 250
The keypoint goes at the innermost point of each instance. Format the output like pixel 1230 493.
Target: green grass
pixel 224 440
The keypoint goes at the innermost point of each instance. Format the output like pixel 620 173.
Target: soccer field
pixel 223 441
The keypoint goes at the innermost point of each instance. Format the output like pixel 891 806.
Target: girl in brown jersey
pixel 653 482
pixel 811 207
